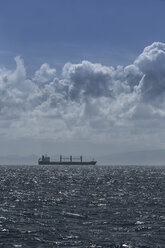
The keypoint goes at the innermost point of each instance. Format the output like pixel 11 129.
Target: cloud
pixel 88 79
pixel 88 101
pixel 45 74
pixel 152 65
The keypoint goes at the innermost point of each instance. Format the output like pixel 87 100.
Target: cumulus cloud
pixel 88 100
pixel 88 79
pixel 45 74
pixel 152 65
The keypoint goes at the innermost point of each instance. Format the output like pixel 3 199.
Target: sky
pixel 82 77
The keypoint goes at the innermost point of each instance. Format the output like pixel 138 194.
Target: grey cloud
pixel 87 97
pixel 132 76
pixel 88 79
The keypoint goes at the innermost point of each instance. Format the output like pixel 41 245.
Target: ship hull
pixel 67 163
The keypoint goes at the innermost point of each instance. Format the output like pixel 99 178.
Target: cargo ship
pixel 45 160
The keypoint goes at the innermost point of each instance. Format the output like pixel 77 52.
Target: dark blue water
pixel 101 206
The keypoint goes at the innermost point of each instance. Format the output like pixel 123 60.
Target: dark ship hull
pixel 45 160
pixel 67 163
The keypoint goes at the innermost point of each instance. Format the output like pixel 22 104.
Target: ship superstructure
pixel 45 160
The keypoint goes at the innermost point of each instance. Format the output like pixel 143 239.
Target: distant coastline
pixel 148 157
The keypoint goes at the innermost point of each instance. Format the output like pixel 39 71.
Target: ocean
pixel 76 206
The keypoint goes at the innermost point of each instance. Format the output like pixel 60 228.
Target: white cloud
pixel 45 74
pixel 152 64
pixel 89 101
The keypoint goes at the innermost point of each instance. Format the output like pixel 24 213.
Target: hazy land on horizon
pixel 152 157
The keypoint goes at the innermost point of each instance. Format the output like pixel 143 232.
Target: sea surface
pixel 82 206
